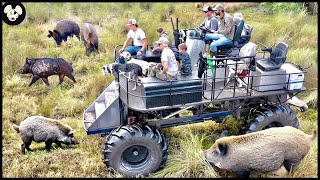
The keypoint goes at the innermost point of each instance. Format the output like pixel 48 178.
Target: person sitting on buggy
pixel 224 35
pixel 168 64
pixel 156 50
pixel 210 22
pixel 185 61
pixel 155 46
pixel 139 41
pixel 162 33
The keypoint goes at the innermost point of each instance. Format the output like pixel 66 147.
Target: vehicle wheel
pixel 133 150
pixel 272 116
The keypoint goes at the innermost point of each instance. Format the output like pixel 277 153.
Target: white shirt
pixel 137 36
pixel 168 55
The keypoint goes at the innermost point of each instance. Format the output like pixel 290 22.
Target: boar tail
pixel 15 127
pixel 314 134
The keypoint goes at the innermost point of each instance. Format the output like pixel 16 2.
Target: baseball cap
pixel 131 22
pixel 219 6
pixel 207 8
pixel 163 40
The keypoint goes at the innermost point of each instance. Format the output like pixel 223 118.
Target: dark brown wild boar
pixel 89 36
pixel 44 67
pixel 63 29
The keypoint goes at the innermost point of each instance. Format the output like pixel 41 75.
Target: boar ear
pixel 56 32
pixel 28 61
pixel 50 34
pixel 71 132
pixel 223 147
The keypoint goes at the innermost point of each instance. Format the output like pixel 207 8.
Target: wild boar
pixel 262 151
pixel 90 38
pixel 44 67
pixel 63 29
pixel 42 129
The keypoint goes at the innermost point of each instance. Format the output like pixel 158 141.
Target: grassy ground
pixel 68 101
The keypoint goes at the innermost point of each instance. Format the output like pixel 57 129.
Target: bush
pixel 284 7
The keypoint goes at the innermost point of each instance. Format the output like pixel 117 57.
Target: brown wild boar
pixel 89 37
pixel 262 151
pixel 63 29
pixel 44 67
pixel 42 129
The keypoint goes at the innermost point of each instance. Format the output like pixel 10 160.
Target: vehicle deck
pixel 212 92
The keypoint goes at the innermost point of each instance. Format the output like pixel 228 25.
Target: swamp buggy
pixel 132 120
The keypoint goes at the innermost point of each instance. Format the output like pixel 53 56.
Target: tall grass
pixel 67 101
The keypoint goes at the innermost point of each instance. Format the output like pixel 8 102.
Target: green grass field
pixel 68 101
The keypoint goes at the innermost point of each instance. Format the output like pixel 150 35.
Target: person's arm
pixel 144 47
pixel 203 23
pixel 125 45
pixel 214 24
pixel 165 67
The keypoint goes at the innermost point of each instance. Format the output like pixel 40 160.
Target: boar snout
pixel 69 140
pixel 74 141
pixel 20 71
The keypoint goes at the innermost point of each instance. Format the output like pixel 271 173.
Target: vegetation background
pixel 272 22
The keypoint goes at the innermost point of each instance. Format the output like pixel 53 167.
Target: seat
pixel 245 35
pixel 239 23
pixel 277 57
pixel 155 55
pixel 241 68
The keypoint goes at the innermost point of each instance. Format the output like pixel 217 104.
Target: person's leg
pixel 161 75
pixel 131 50
pixel 137 49
pixel 212 36
pixel 219 42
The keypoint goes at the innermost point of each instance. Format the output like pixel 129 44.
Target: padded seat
pixel 277 57
pixel 153 57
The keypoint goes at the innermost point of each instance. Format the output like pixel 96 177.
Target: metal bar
pixel 188 119
pixel 100 131
pixel 177 112
pixel 170 102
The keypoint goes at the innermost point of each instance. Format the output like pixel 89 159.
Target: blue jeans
pixel 133 50
pixel 219 40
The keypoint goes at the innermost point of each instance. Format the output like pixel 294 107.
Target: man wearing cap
pixel 210 22
pixel 224 35
pixel 139 41
pixel 168 60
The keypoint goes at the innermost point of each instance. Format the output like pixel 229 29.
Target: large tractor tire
pixel 268 116
pixel 132 150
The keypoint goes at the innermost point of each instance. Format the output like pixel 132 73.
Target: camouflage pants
pixel 155 72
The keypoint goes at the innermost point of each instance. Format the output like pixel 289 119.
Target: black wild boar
pixel 90 38
pixel 263 151
pixel 44 67
pixel 63 29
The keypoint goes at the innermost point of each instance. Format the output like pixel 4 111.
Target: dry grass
pixel 68 101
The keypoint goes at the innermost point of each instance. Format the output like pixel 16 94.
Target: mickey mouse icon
pixel 13 13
